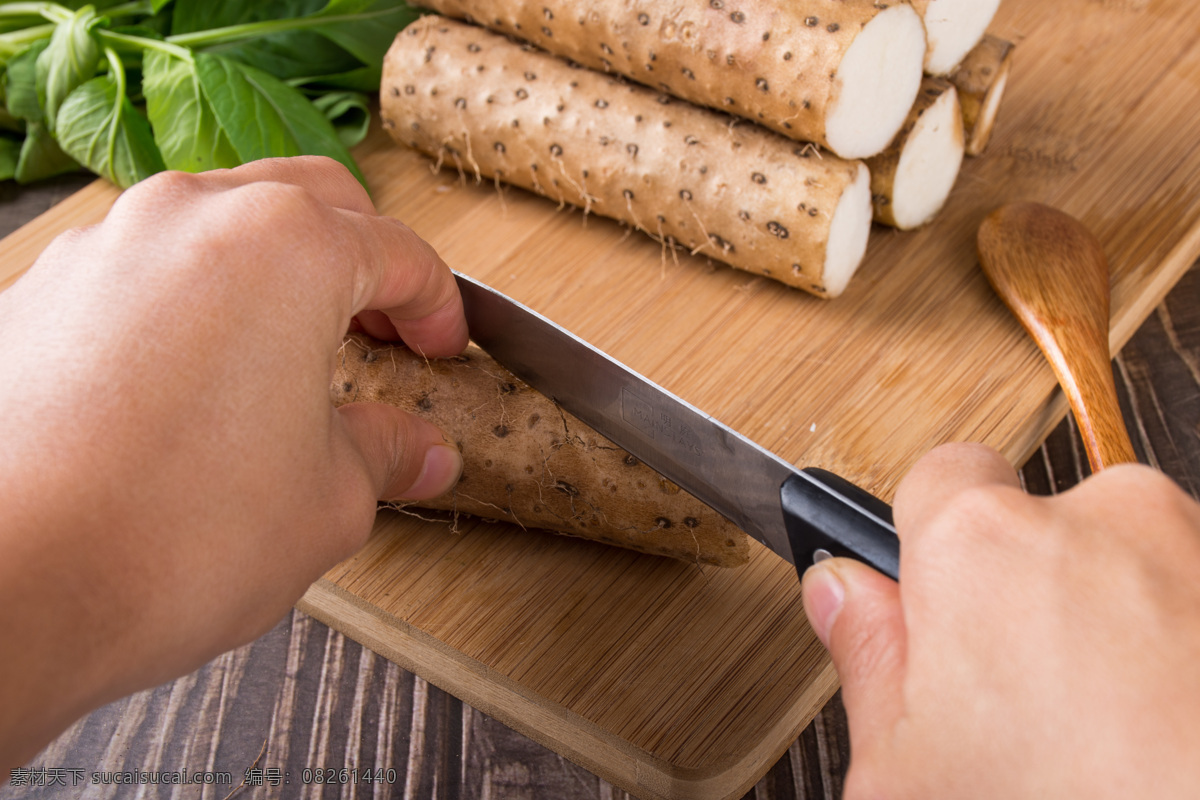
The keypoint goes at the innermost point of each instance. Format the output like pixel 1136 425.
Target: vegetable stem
pixel 142 43
pixel 13 43
pixel 50 11
pixel 117 73
pixel 251 30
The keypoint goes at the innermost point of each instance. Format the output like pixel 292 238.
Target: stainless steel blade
pixel 705 457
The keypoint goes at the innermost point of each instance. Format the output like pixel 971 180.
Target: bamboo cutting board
pixel 679 681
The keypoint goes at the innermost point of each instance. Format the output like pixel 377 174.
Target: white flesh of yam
pixel 841 73
pixel 911 180
pixel 981 80
pixel 954 27
pixel 685 175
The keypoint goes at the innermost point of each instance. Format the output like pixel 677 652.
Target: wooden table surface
pixel 304 699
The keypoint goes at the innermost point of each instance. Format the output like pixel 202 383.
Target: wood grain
pixel 918 310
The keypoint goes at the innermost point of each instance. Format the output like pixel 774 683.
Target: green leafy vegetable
pixel 130 87
pixel 20 84
pixel 191 16
pixel 349 112
pixel 263 116
pixel 71 58
pixel 8 122
pixel 188 134
pixel 10 151
pixel 100 128
pixel 41 157
pixel 369 31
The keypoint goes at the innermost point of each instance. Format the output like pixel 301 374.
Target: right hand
pixel 1033 648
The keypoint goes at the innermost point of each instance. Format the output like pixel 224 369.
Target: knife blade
pixel 802 515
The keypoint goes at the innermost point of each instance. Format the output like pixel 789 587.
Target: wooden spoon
pixel 1052 274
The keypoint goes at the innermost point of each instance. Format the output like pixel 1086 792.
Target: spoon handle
pixel 1088 383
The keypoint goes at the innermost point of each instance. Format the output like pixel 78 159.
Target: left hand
pixel 174 474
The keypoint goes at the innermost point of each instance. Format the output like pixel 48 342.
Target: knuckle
pixel 161 187
pixel 269 223
pixel 151 201
pixel 265 201
pixel 963 512
pixel 326 168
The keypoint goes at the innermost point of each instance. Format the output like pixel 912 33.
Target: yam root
pixel 981 80
pixel 840 73
pixel 685 175
pixel 911 180
pixel 954 27
pixel 531 463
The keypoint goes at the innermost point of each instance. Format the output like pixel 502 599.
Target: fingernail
pixel 441 470
pixel 824 595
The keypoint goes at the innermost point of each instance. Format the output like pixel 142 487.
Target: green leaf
pixel 159 5
pixel 10 123
pixel 10 152
pixel 41 157
pixel 362 79
pixel 342 7
pixel 363 29
pixel 188 134
pixel 348 112
pixel 7 121
pixel 71 59
pixel 101 129
pixel 76 5
pixel 265 117
pixel 191 16
pixel 291 55
pixel 20 83
pixel 370 37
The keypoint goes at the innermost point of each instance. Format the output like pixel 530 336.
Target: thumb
pixel 404 456
pixel 857 615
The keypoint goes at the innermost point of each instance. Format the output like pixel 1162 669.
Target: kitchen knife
pixel 803 515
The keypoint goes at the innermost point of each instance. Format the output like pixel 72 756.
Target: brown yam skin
pixel 771 62
pixel 684 175
pixel 529 462
pixel 978 78
pixel 883 166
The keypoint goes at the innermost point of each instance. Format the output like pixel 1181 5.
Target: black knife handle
pixel 823 511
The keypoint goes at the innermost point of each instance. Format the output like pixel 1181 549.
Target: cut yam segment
pixel 981 80
pixel 840 73
pixel 528 462
pixel 954 27
pixel 872 98
pixel 687 176
pixel 848 233
pixel 911 180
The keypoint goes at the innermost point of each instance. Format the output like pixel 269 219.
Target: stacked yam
pixel 736 192
pixel 981 79
pixel 911 180
pixel 953 28
pixel 767 135
pixel 840 73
